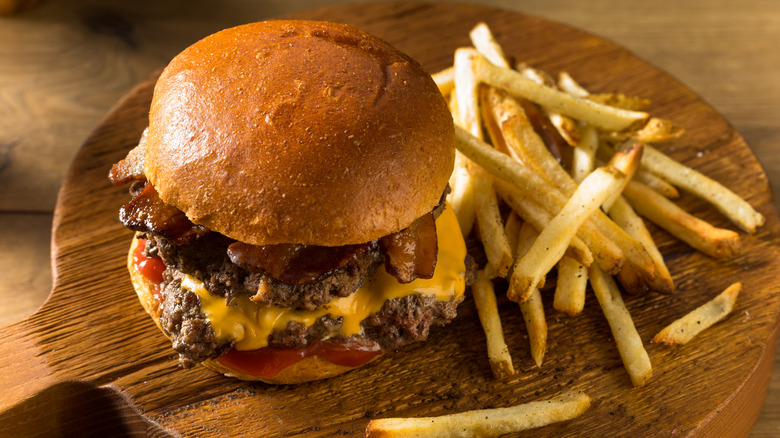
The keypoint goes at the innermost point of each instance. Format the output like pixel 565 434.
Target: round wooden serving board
pixel 92 329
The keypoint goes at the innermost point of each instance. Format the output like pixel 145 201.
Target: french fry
pixel 483 41
pixel 643 175
pixel 662 282
pixel 568 85
pixel 715 242
pixel 687 327
pixel 565 125
pixel 533 315
pixel 503 166
pixel 588 245
pixel 467 92
pixel 445 80
pixel 629 344
pixel 626 159
pixel 584 110
pixel 619 100
pixel 461 198
pixel 539 76
pixel 569 297
pixel 527 147
pixel 490 225
pixel 485 422
pixel 485 300
pixel 524 143
pixel 486 98
pixel 656 183
pixel 656 130
pixel 532 308
pixel 584 155
pixel 529 272
pixel 538 217
pixel 512 229
pixel 727 202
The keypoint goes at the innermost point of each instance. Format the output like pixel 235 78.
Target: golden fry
pixel 487 310
pixel 584 110
pixel 687 327
pixel 461 198
pixel 483 41
pixel 569 297
pixel 490 225
pixel 715 242
pixel 485 422
pixel 445 80
pixel 532 308
pixel 539 217
pixel 629 344
pixel 584 155
pixel 467 92
pixel 529 272
pixel 727 202
pixel 634 282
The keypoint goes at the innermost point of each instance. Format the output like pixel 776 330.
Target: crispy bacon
pixel 411 253
pixel 294 263
pixel 131 168
pixel 148 213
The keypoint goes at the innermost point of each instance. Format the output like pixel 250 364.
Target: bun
pixel 306 370
pixel 261 128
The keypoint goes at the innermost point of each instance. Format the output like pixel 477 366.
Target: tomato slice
pixel 269 361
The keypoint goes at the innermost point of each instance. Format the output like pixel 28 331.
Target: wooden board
pixel 93 330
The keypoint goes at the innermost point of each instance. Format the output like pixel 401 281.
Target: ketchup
pixel 269 361
pixel 150 267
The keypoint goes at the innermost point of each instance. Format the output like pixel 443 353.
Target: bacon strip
pixel 294 263
pixel 131 168
pixel 148 213
pixel 411 253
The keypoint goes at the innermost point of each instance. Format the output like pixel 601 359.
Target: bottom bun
pixel 307 369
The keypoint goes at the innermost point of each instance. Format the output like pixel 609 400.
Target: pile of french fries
pixel 584 220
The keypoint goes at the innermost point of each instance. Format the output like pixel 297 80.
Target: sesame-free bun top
pixel 298 132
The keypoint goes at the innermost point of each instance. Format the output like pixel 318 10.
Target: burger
pixel 289 203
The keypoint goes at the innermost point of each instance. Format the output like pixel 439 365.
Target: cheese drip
pixel 249 324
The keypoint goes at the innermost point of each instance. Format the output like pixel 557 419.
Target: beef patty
pixel 400 321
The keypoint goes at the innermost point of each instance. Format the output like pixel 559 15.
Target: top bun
pixel 298 132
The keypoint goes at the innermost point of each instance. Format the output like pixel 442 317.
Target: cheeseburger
pixel 288 199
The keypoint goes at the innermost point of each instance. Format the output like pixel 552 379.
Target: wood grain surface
pixel 91 329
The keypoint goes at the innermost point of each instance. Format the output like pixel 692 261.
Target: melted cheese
pixel 249 324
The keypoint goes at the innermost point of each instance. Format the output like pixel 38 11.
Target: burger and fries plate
pixel 693 388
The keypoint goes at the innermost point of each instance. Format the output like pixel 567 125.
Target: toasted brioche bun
pixel 260 128
pixel 308 369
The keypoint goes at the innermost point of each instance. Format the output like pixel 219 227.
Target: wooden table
pixel 63 64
